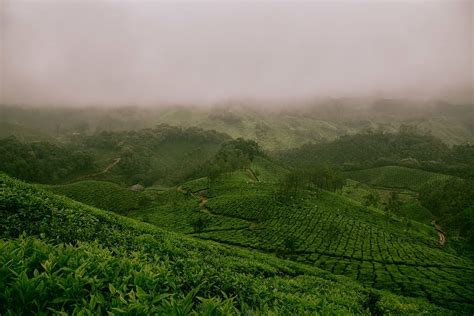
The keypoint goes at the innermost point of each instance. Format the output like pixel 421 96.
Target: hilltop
pixel 278 126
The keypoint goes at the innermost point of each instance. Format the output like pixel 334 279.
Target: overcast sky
pixel 147 53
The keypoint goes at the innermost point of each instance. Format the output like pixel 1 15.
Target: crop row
pixel 335 240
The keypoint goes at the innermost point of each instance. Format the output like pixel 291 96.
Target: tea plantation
pixel 105 195
pixel 61 256
pixel 324 230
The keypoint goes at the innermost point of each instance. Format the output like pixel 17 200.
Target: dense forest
pixel 375 149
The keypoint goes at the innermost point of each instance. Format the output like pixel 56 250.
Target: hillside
pixel 80 258
pixel 427 197
pixel 409 208
pixel 397 177
pixel 101 194
pixel 307 122
pixel 321 229
pixel 162 155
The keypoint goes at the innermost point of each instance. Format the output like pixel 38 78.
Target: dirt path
pixel 202 204
pixel 203 208
pixel 252 173
pixel 441 234
pixel 105 170
pixel 116 161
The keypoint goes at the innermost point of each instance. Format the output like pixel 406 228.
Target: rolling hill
pixel 101 194
pixel 321 229
pixel 307 122
pixel 61 256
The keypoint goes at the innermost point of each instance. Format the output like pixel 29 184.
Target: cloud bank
pixel 149 53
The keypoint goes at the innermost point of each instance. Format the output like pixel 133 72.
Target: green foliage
pixel 199 224
pixel 317 177
pixel 42 161
pixel 396 177
pixel 105 195
pixel 177 211
pixel 369 150
pixel 326 176
pixel 394 204
pixel 274 130
pixel 92 261
pixel 290 244
pixel 343 237
pixel 378 197
pixel 234 155
pixel 448 197
pixel 248 148
pixel 291 186
pixel 452 202
pixel 161 155
pixel 372 199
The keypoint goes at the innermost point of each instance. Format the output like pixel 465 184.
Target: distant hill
pixel 274 127
pixel 376 149
pixel 23 133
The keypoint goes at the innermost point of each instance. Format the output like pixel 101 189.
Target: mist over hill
pixel 274 125
pixel 236 158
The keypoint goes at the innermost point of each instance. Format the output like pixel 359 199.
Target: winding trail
pixel 202 204
pixel 441 233
pixel 203 208
pixel 105 170
pixel 252 174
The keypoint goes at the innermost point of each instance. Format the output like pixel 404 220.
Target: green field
pixel 221 226
pixel 101 194
pixel 328 231
pixel 60 256
pixel 410 206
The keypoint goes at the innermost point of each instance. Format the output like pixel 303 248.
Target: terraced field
pixel 63 257
pixel 176 209
pixel 327 230
pixel 102 194
pixel 342 237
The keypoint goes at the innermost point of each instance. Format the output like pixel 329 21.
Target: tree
pixel 290 244
pixel 393 205
pixel 394 202
pixel 371 199
pixel 199 225
pixel 326 176
pixel 291 185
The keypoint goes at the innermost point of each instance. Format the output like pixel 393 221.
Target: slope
pixel 396 177
pixel 325 230
pixel 101 194
pixel 58 255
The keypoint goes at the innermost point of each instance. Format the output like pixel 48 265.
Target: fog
pixel 152 53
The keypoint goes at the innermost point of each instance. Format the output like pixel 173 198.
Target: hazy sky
pixel 137 52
